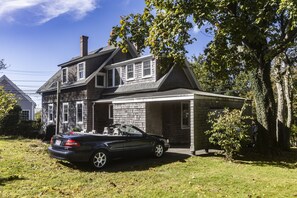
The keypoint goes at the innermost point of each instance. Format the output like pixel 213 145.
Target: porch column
pixel 192 127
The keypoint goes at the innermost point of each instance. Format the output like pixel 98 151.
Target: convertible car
pixel 116 141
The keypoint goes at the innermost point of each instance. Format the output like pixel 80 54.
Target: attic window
pixel 65 75
pixel 130 72
pixel 146 69
pixel 81 71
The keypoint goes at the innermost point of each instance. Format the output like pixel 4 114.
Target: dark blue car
pixel 116 141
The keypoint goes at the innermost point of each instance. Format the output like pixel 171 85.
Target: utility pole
pixel 58 107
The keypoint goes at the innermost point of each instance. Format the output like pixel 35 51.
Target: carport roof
pixel 169 95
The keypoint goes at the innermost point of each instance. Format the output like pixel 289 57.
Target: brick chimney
pixel 83 45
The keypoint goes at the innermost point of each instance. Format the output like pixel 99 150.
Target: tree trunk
pixel 288 95
pixel 280 121
pixel 265 108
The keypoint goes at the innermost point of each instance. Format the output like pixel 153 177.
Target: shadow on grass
pixel 131 164
pixel 284 159
pixel 10 179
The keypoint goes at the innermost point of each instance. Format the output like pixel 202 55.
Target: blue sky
pixel 37 35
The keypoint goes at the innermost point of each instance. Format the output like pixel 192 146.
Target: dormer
pixel 133 71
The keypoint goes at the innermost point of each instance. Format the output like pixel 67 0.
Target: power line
pixel 28 80
pixel 29 71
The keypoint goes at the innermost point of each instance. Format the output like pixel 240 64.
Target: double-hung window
pixel 79 112
pixel 65 112
pixel 81 70
pixel 25 115
pixel 146 69
pixel 64 75
pixel 130 72
pixel 185 115
pixel 50 112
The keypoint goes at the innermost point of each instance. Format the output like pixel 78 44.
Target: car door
pixel 137 142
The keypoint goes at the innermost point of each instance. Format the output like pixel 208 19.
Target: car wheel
pixel 99 159
pixel 159 150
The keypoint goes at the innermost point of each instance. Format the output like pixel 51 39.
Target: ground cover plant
pixel 26 170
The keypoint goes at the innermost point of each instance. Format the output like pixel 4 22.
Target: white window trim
pixel 63 118
pixel 66 68
pixel 109 116
pixel 151 67
pixel 76 112
pixel 28 113
pixel 133 78
pixel 48 113
pixel 104 83
pixel 84 72
pixel 181 108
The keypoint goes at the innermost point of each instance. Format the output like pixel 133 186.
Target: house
pixel 107 86
pixel 24 101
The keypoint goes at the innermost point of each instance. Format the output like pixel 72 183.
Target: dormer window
pixel 81 70
pixel 65 75
pixel 146 69
pixel 130 72
pixel 114 77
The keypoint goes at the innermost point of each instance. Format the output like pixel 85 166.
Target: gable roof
pixel 5 78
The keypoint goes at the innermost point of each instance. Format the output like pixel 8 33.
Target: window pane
pixel 81 71
pixel 100 80
pixel 130 71
pixel 185 114
pixel 147 68
pixel 64 78
pixel 79 112
pixel 109 78
pixel 25 115
pixel 117 79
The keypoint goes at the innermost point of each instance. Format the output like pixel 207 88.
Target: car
pixel 116 141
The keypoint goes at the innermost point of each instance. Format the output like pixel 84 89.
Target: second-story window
pixel 130 72
pixel 146 69
pixel 81 71
pixel 114 77
pixel 65 75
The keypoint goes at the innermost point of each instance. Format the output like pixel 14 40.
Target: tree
pixel 257 30
pixel 2 64
pixel 7 102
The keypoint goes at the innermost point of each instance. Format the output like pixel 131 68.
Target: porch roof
pixel 169 95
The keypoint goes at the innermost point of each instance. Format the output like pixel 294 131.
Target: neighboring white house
pixel 25 102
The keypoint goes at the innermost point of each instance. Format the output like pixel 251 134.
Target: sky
pixel 38 35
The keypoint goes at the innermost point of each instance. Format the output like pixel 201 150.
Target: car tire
pixel 99 159
pixel 159 150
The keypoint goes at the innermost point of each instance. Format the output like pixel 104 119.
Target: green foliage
pixel 228 130
pixel 9 124
pixel 7 102
pixel 293 135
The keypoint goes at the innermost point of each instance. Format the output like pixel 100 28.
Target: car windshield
pixel 131 130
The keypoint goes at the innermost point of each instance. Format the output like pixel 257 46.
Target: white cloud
pixel 46 10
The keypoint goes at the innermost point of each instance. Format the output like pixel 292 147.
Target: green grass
pixel 26 170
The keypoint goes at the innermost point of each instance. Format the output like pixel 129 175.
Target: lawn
pixel 26 170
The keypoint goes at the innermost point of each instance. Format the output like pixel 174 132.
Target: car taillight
pixel 72 143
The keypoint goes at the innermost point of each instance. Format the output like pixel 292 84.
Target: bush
pixel 9 123
pixel 228 130
pixel 293 138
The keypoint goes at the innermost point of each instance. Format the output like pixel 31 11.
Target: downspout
pixel 93 114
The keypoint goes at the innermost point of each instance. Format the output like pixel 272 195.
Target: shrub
pixel 293 138
pixel 9 123
pixel 228 130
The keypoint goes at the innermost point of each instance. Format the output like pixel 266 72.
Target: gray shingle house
pixel 107 86
pixel 24 101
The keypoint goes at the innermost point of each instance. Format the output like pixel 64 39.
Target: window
pixel 114 77
pixel 65 112
pixel 79 112
pixel 81 71
pixel 25 115
pixel 100 80
pixel 130 72
pixel 185 115
pixel 50 112
pixel 65 75
pixel 146 69
pixel 110 111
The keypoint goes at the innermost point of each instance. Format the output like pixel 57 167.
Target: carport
pixel 178 114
